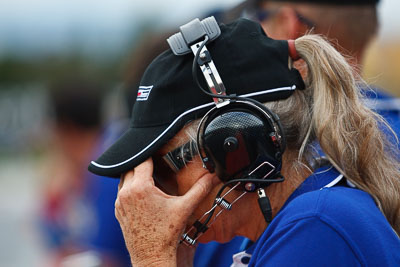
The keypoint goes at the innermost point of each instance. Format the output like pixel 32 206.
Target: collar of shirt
pixel 325 176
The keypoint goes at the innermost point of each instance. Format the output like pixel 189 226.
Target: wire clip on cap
pixel 192 32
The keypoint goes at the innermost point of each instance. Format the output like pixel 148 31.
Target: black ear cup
pixel 241 140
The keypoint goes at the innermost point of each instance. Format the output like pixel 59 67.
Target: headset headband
pixel 193 36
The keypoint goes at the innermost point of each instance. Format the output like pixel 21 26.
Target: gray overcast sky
pixel 43 26
pixel 49 24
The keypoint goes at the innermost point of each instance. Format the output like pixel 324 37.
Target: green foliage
pixel 14 70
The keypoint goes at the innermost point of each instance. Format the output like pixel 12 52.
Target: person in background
pixel 78 214
pixel 67 216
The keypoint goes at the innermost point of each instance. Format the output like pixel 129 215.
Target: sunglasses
pixel 167 166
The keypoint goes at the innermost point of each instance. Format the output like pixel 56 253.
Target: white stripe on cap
pixel 287 88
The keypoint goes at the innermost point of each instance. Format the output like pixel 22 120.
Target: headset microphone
pixel 265 205
pixel 239 139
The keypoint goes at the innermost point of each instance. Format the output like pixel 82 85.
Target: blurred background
pixel 66 68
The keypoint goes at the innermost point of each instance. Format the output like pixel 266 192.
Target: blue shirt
pixel 217 254
pixel 317 226
pixel 108 239
pixel 336 226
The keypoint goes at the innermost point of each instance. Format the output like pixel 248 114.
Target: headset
pixel 239 139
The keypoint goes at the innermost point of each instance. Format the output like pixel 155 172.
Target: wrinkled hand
pixel 152 222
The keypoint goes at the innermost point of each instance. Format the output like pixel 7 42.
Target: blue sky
pixel 43 26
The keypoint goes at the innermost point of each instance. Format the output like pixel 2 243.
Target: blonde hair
pixel 350 134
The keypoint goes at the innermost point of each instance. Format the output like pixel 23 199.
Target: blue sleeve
pixel 306 242
pixel 109 239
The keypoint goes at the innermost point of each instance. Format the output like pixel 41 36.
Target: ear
pixel 284 24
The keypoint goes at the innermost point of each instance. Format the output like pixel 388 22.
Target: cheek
pixel 206 204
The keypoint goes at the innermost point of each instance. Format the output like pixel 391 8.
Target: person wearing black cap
pixel 217 164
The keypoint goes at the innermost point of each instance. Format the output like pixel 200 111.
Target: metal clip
pixel 223 203
pixel 187 240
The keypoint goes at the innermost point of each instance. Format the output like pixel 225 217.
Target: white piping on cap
pixel 287 88
pixel 155 140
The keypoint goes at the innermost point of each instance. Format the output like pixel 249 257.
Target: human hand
pixel 152 222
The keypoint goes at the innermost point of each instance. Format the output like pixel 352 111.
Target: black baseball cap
pixel 250 65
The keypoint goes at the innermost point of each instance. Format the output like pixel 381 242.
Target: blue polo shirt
pixel 336 225
pixel 333 226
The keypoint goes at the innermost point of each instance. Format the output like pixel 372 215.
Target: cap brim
pixel 138 144
pixel 132 148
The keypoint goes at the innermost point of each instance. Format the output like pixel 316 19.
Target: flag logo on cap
pixel 143 93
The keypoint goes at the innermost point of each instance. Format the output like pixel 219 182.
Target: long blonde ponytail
pixel 348 132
